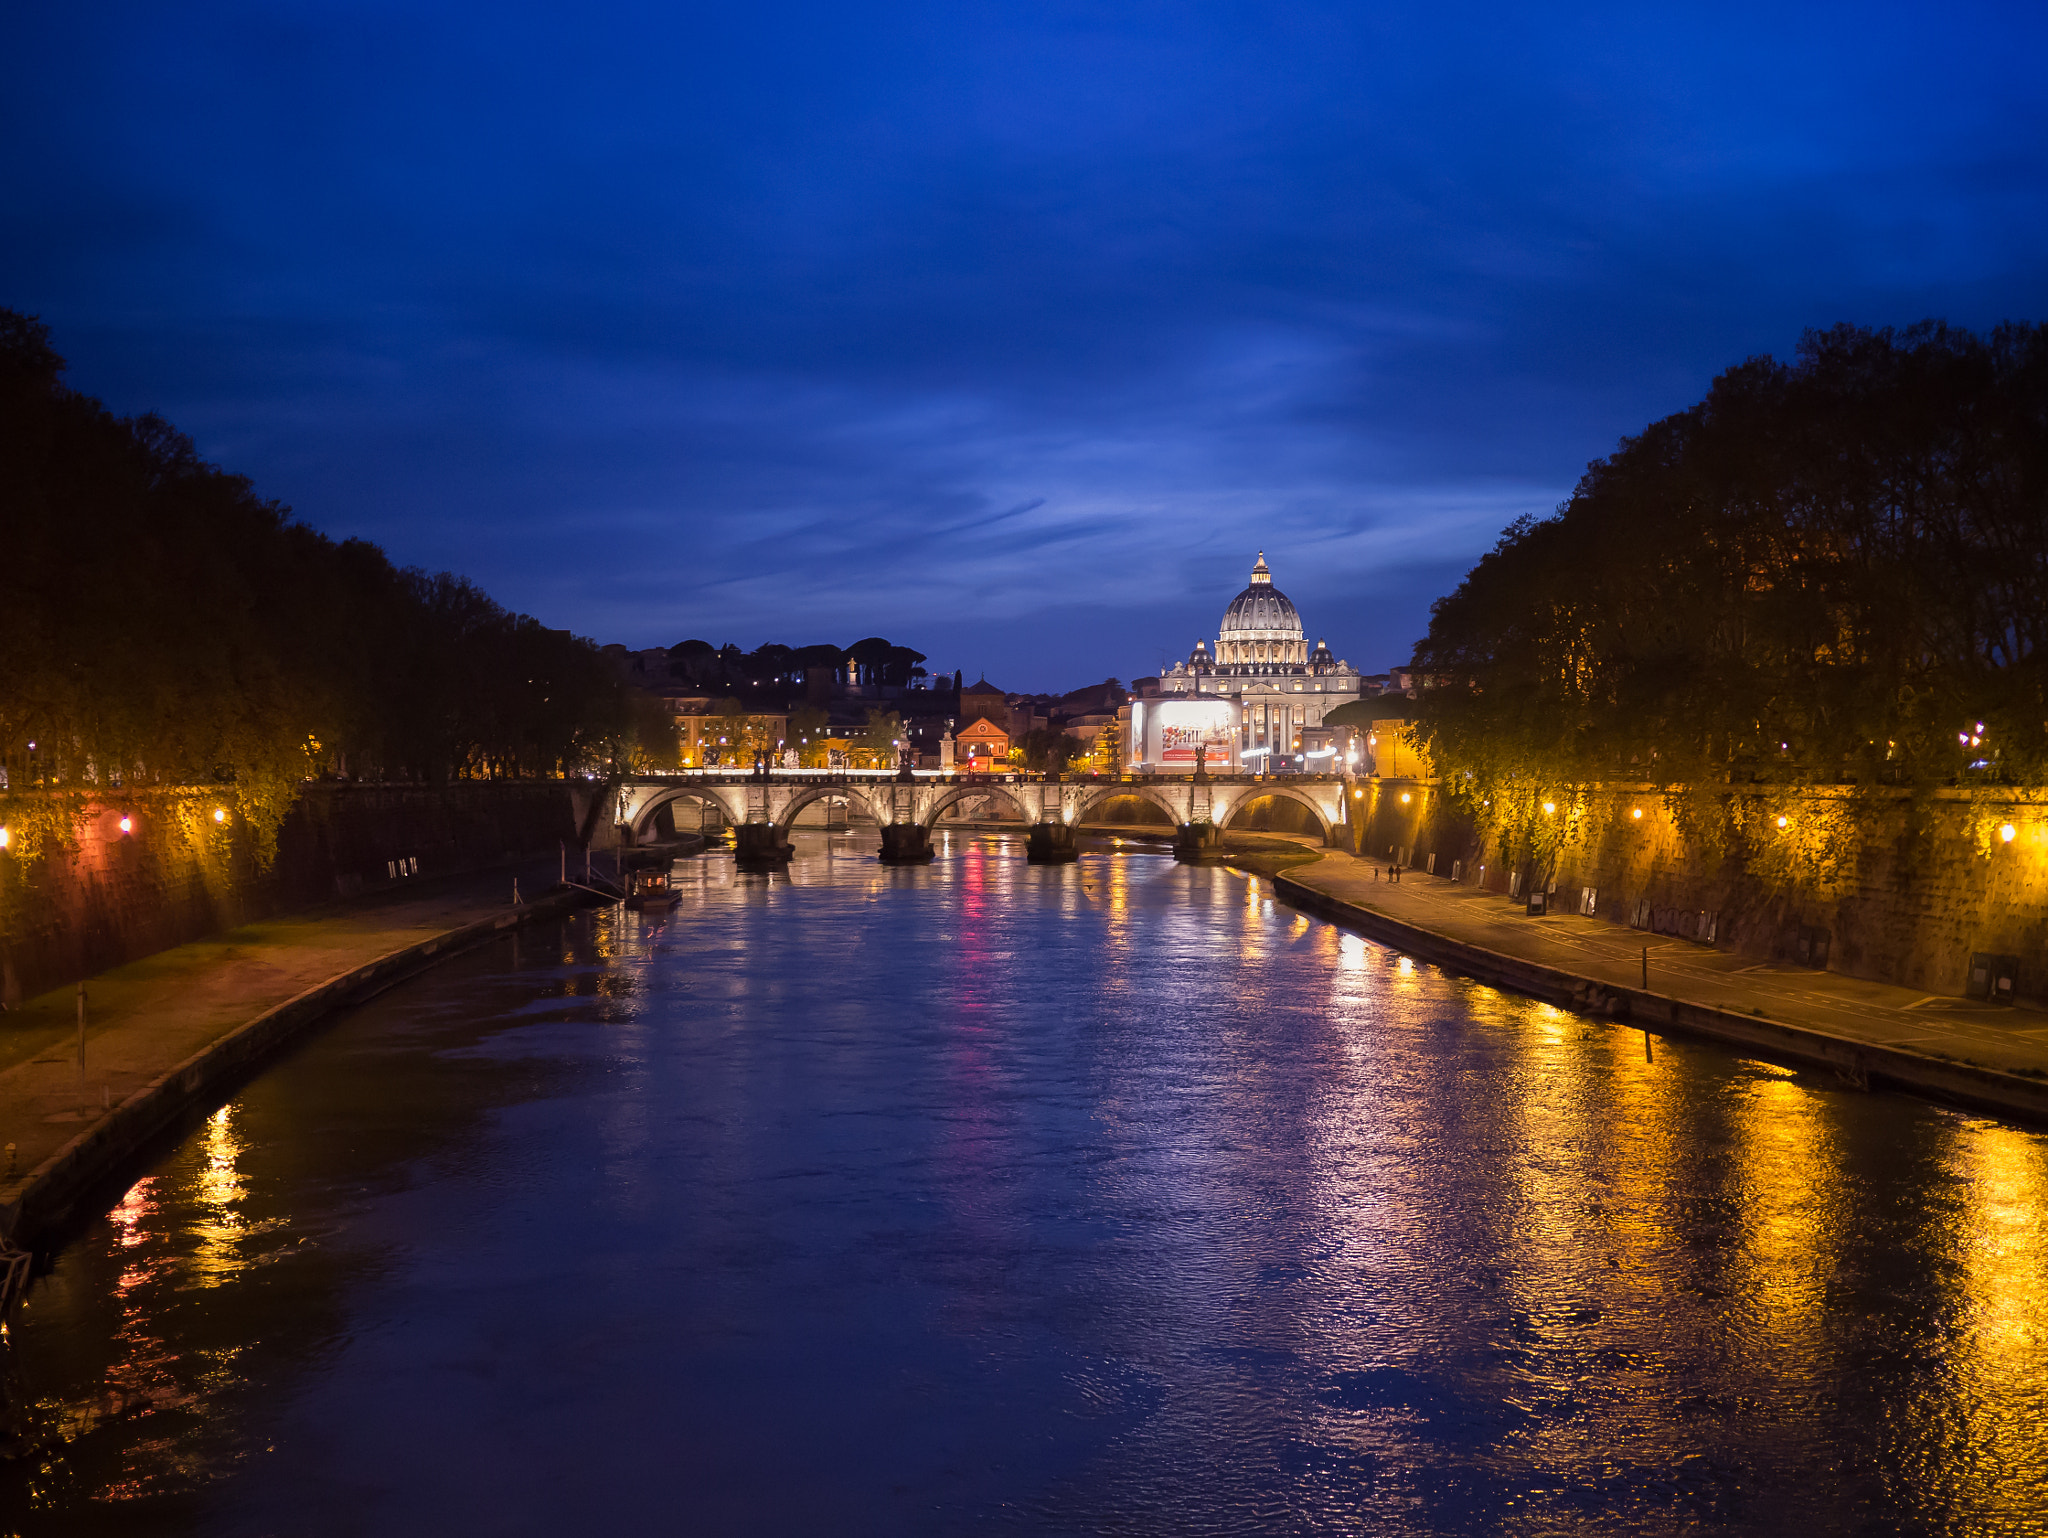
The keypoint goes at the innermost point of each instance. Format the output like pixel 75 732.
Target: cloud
pixel 1004 332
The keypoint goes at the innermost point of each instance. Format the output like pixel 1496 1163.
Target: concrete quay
pixel 1991 1057
pixel 178 1028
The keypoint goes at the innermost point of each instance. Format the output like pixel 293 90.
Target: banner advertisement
pixel 1174 729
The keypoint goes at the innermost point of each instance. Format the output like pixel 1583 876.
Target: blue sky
pixel 1009 332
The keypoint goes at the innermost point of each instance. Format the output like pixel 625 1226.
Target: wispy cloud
pixel 1011 333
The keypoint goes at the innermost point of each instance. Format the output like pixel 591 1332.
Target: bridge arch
pixel 1257 793
pixel 957 793
pixel 643 819
pixel 856 796
pixel 1146 793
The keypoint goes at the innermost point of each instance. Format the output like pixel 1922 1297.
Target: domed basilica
pixel 1263 665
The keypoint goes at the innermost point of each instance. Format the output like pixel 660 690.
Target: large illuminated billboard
pixel 1169 731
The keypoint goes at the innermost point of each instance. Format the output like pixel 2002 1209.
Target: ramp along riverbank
pixel 1988 1056
pixel 88 1079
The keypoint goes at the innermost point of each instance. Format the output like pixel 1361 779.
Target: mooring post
pixel 1646 969
pixel 565 860
pixel 81 1026
pixel 515 891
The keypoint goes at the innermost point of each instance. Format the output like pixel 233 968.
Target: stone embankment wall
pixel 1895 886
pixel 110 897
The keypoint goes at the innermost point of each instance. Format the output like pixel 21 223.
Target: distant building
pixel 1263 666
pixel 1378 738
pixel 982 700
pixel 927 737
pixel 1393 754
pixel 982 746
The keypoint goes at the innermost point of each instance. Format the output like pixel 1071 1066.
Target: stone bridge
pixel 890 800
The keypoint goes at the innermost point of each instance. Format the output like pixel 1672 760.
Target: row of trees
pixel 876 661
pixel 164 625
pixel 1828 571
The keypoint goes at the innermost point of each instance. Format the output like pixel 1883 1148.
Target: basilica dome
pixel 1261 628
pixel 1263 668
pixel 1262 609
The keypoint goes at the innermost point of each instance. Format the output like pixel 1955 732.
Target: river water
pixel 1107 1198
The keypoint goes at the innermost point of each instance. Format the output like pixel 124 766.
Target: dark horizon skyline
pixel 1011 338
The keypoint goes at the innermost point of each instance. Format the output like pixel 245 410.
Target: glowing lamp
pixel 1781 822
pixel 1404 798
pixel 127 825
pixel 2007 832
pixel 1637 814
pixel 220 814
pixel 3 838
pixel 1549 808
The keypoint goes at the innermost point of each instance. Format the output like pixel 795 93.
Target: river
pixel 1115 1197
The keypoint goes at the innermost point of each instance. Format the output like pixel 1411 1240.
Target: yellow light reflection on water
pixel 218 1193
pixel 2001 1340
pixel 1789 1189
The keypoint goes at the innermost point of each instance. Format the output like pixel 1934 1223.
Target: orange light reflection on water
pixel 1999 1342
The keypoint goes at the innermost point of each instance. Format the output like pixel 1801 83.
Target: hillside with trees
pixel 1832 571
pixel 165 626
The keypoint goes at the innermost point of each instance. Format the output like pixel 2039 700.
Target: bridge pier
pixel 906 843
pixel 761 846
pixel 1050 843
pixel 1195 841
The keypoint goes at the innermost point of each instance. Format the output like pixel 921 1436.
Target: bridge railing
pixel 738 776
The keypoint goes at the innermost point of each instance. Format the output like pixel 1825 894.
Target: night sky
pixel 1007 332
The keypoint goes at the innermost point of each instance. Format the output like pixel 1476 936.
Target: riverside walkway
pixel 2005 1039
pixel 150 1017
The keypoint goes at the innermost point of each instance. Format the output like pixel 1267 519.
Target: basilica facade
pixel 1263 666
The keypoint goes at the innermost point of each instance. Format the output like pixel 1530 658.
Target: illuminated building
pixel 981 747
pixel 1262 665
